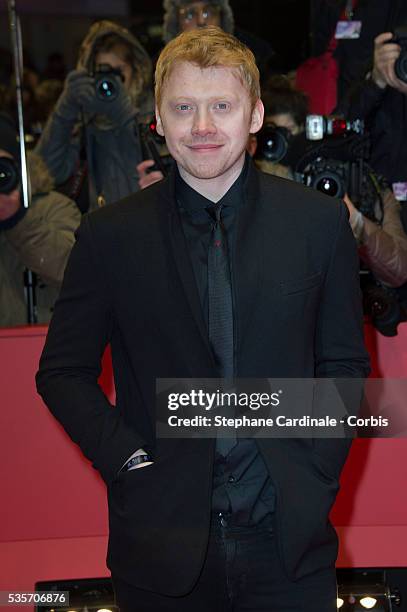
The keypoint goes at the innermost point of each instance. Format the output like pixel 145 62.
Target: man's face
pixel 206 118
pixel 286 120
pixel 198 14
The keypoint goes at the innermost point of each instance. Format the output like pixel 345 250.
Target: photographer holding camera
pixel 381 100
pixel 39 238
pixel 374 215
pixel 95 121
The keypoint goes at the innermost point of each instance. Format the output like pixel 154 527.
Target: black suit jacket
pixel 130 283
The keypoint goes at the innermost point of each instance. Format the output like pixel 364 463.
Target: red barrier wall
pixel 53 516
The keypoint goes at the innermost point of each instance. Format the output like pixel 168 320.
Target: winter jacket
pixel 385 114
pixel 353 55
pixel 383 248
pixel 41 240
pixel 112 150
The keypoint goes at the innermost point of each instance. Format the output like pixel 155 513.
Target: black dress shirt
pixel 242 489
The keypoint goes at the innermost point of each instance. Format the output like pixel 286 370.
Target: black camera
pixel 338 165
pixel 400 67
pixel 318 126
pixel 153 147
pixel 328 176
pixel 9 175
pixel 107 82
pixel 384 305
pixel 272 143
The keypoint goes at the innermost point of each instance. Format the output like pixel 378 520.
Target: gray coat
pixel 42 241
pixel 113 150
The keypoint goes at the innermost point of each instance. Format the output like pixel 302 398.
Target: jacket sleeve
pixel 384 248
pixel 340 353
pixel 362 101
pixel 70 364
pixel 59 148
pixel 339 341
pixel 44 237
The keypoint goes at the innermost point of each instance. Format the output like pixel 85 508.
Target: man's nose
pixel 203 124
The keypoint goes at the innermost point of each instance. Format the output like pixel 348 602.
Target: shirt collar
pixel 195 203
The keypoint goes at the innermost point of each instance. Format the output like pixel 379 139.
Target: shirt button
pixel 231 479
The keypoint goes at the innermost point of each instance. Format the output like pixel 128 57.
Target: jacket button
pixel 231 479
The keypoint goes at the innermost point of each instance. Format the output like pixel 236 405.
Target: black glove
pixel 118 110
pixel 79 91
pixel 80 94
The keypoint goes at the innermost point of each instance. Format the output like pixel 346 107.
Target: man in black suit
pixel 217 271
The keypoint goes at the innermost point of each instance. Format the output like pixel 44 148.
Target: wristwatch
pixel 135 461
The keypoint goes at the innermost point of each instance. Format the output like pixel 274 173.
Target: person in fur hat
pixel 181 15
pixel 101 132
pixel 39 238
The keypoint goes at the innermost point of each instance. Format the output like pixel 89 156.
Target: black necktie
pixel 220 312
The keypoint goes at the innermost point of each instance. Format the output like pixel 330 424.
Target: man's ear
pixel 257 117
pixel 159 126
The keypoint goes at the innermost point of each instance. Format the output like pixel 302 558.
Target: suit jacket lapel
pixel 248 255
pixel 183 263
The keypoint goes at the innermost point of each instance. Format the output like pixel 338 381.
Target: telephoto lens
pixel 9 175
pixel 329 183
pixel 272 143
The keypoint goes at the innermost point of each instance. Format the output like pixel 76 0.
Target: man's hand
pixel 385 57
pixel 79 90
pixel 80 94
pixel 356 219
pixel 350 206
pixel 148 178
pixel 9 204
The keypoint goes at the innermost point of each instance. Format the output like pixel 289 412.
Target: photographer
pixel 381 239
pixel 382 245
pixel 95 121
pixel 381 100
pixel 40 237
pixel 285 108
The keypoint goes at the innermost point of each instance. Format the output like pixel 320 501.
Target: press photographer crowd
pixel 337 123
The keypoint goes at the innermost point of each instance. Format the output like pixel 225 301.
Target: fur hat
pixel 142 67
pixel 171 25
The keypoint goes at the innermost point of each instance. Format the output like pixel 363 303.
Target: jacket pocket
pixel 321 471
pixel 290 287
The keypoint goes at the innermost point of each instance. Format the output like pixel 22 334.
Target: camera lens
pixel 8 175
pixel 329 183
pixel 384 309
pixel 400 66
pixel 106 89
pixel 272 143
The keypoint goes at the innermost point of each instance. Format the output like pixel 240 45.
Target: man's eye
pixel 222 106
pixel 183 107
